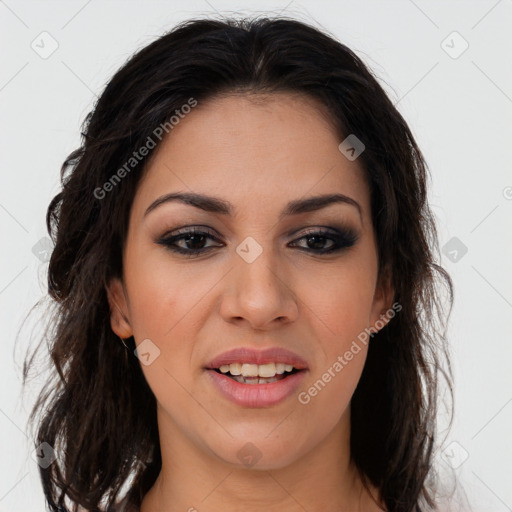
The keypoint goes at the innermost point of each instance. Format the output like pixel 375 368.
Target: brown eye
pixel 316 240
pixel 192 242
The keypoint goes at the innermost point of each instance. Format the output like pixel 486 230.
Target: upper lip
pixel 252 356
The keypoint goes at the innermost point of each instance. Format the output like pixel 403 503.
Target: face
pixel 250 272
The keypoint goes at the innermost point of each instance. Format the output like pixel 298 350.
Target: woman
pixel 248 313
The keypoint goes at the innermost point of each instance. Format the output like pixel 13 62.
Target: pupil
pixel 192 237
pixel 319 242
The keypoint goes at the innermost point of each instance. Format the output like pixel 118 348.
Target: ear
pixel 383 309
pixel 119 316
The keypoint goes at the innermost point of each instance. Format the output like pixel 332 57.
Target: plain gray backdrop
pixel 447 66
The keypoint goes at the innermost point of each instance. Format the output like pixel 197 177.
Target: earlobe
pixel 119 319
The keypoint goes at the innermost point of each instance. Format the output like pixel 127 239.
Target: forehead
pixel 256 151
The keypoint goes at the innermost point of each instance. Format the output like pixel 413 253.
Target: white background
pixel 459 110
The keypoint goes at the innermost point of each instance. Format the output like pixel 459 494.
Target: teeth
pixel 249 370
pixel 265 371
pixel 268 381
pixel 255 380
pixel 235 369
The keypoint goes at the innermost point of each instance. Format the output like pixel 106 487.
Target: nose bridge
pixel 257 276
pixel 257 289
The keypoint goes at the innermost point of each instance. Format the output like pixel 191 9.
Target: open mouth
pixel 257 385
pixel 257 374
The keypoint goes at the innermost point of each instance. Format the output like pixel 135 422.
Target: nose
pixel 258 294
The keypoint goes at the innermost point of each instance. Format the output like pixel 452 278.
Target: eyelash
pixel 343 239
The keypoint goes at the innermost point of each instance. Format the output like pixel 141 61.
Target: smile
pixel 246 373
pixel 257 378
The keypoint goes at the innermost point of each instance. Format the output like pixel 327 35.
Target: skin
pixel 257 152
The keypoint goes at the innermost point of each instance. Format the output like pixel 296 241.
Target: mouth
pixel 257 378
pixel 247 373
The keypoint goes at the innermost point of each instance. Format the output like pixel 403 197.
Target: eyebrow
pixel 223 207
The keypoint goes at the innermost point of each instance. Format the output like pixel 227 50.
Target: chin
pixel 259 454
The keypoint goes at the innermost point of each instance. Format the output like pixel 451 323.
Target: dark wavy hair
pixel 98 412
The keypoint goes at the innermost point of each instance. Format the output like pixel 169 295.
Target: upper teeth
pixel 256 370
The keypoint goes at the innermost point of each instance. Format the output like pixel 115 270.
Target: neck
pixel 196 480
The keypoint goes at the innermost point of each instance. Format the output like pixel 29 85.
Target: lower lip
pixel 256 395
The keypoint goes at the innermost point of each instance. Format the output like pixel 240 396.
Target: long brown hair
pixel 99 414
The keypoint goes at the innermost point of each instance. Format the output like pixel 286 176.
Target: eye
pixel 317 238
pixel 194 241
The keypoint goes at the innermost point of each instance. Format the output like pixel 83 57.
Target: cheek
pixel 167 306
pixel 163 302
pixel 324 401
pixel 340 300
pixel 162 294
pixel 340 308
